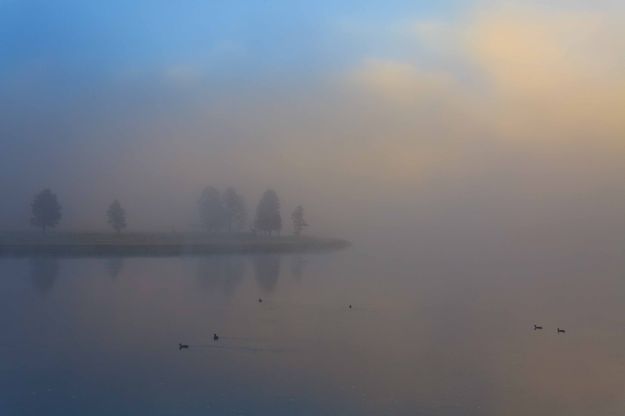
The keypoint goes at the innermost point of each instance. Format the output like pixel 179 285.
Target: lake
pixel 427 334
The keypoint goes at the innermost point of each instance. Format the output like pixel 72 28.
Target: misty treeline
pixel 219 212
pixel 227 211
pixel 222 211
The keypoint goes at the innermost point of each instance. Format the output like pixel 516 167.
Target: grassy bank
pixel 156 244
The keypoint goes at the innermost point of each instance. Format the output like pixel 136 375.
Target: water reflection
pixel 298 264
pixel 234 273
pixel 114 266
pixel 221 273
pixel 454 339
pixel 267 271
pixel 44 272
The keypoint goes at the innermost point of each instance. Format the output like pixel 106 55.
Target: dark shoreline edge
pixel 173 249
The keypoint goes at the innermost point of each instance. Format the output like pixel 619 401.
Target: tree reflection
pixel 223 273
pixel 267 271
pixel 298 264
pixel 44 272
pixel 234 272
pixel 114 266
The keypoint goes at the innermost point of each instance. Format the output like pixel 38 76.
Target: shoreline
pixel 157 245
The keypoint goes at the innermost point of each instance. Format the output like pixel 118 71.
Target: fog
pixel 473 153
pixel 489 127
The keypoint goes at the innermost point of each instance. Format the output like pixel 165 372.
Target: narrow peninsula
pixel 85 244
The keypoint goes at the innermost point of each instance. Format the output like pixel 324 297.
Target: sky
pixel 446 118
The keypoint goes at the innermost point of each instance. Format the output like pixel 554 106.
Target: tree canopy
pixel 268 217
pixel 46 210
pixel 298 220
pixel 116 216
pixel 235 212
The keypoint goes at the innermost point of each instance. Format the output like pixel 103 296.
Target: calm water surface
pixel 427 335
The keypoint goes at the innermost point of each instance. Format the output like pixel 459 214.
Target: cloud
pixel 528 71
pixel 514 111
pixel 559 71
pixel 399 80
pixel 183 75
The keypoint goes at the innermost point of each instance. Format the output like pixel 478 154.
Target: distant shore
pixel 83 244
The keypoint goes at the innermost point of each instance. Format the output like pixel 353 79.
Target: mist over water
pixel 473 153
pixel 437 335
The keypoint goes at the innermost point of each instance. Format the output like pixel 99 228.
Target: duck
pixel 561 331
pixel 537 327
pixel 183 347
pixel 215 337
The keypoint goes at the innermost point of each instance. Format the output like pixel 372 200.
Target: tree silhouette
pixel 298 220
pixel 46 210
pixel 268 217
pixel 234 210
pixel 116 216
pixel 211 210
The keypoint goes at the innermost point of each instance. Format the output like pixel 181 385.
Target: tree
pixel 46 210
pixel 116 216
pixel 211 210
pixel 298 220
pixel 234 210
pixel 268 217
pixel 240 217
